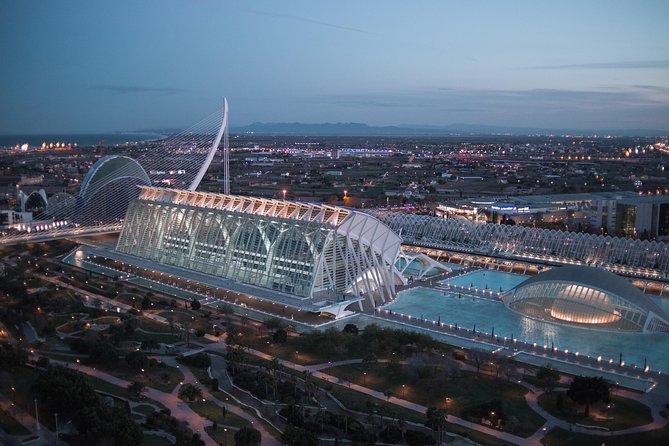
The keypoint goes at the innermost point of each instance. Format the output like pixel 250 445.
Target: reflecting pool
pixel 488 280
pixel 433 304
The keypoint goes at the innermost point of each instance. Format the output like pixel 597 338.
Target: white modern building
pixel 313 252
pixel 588 297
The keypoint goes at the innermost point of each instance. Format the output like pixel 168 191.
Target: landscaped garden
pixel 619 413
pixel 560 437
pixel 461 393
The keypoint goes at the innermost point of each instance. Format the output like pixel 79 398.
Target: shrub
pixel 247 436
pixel 199 360
pixel 391 434
pixel 351 329
pixel 418 438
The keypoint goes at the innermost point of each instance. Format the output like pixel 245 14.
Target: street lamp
pixel 345 194
pixel 284 194
pixel 403 390
pixel 364 378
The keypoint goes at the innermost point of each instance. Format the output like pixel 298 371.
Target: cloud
pixel 623 107
pixel 643 64
pixel 653 88
pixel 131 89
pixel 307 20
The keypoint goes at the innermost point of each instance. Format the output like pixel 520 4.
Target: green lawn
pixel 155 440
pixel 10 424
pixel 625 412
pixel 559 437
pixel 222 435
pixel 358 401
pixel 465 390
pixel 150 325
pixel 151 377
pixel 212 411
pixel 107 387
pixel 165 338
pixel 144 409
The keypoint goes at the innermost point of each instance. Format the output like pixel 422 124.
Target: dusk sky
pixel 87 66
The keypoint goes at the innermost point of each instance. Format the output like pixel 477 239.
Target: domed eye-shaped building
pixel 588 297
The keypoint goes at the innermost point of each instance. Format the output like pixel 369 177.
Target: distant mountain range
pixel 359 129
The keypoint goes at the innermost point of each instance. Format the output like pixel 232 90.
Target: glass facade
pixel 586 296
pixel 307 251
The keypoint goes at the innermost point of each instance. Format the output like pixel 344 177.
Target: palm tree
pixel 190 392
pixel 273 368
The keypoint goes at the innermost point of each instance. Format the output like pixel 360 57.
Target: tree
pixel 280 336
pixel 150 345
pixel 351 329
pixel 479 357
pixel 274 324
pixel 588 390
pixel 548 378
pixel 12 356
pixel 68 392
pixel 296 436
pixel 130 325
pixel 195 304
pixel 391 434
pixel 190 392
pixel 137 360
pixel 418 438
pixel 146 302
pixel 136 389
pixel 247 436
pixel 102 351
pixel 200 360
pixel 436 419
pixel 559 403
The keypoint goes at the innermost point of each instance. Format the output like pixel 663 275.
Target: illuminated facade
pixel 619 254
pixel 308 251
pixel 589 297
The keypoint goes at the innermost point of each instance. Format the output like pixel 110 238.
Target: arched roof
pixel 35 199
pixel 108 169
pixel 600 279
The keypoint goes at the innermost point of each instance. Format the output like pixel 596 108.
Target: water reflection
pixel 432 304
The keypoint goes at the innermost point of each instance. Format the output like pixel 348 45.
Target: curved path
pixel 189 377
pixel 179 408
pixel 531 397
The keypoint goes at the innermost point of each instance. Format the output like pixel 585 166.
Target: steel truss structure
pixel 306 250
pixel 620 254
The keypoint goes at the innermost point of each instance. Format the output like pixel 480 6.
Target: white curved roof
pixel 601 279
pixel 357 225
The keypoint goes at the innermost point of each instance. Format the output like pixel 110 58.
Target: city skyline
pixel 79 67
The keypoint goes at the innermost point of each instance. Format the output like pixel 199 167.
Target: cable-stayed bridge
pixel 99 207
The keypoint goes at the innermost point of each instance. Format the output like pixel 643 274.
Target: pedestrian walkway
pixel 178 408
pixel 28 421
pixel 189 377
pixel 394 400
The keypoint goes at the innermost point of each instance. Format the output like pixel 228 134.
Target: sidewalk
pixel 189 377
pixel 179 408
pixel 28 421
